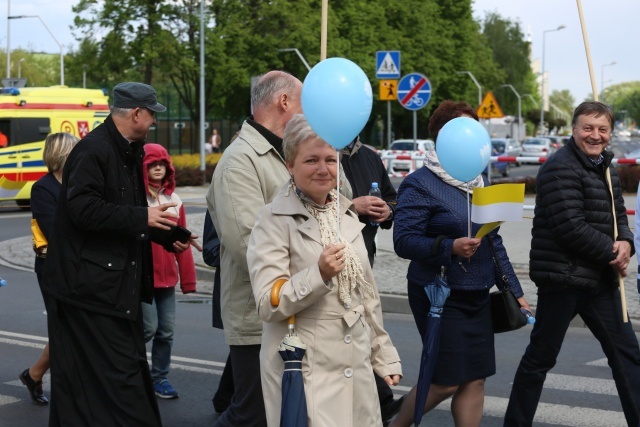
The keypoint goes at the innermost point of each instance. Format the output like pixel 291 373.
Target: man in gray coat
pixel 247 178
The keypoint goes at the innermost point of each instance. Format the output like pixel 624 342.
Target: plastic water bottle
pixel 375 191
pixel 530 319
pixel 2 282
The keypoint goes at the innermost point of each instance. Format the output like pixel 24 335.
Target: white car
pixel 537 147
pixel 401 152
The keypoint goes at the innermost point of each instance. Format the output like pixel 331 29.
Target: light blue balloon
pixel 337 100
pixel 463 147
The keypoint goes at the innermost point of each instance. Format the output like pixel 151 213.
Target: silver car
pixel 537 147
pixel 507 147
pixel 402 152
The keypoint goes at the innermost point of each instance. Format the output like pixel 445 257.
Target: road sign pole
pixel 388 125
pixel 415 128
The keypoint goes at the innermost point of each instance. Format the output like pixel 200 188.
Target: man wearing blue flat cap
pixel 100 270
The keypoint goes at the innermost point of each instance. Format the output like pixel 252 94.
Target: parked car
pixel 407 148
pixel 556 141
pixel 633 154
pixel 498 168
pixel 506 147
pixel 537 147
pixel 409 145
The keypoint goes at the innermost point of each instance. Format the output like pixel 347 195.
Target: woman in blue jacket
pixel 431 230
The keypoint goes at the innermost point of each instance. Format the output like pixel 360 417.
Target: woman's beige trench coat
pixel 343 342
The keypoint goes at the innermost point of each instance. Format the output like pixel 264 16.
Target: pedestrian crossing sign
pixel 489 109
pixel 388 64
pixel 388 90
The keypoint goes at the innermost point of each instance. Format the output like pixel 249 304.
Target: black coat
pixel 44 199
pixel 211 256
pixel 99 255
pixel 573 225
pixel 362 166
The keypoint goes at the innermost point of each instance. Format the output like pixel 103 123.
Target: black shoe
pixel 391 410
pixel 35 388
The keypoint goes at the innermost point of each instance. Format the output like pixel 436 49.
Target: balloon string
pixel 338 199
pixel 468 211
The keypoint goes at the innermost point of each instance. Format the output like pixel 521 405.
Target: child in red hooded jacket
pixel 168 268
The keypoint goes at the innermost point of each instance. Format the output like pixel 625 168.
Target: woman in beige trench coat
pixel 329 287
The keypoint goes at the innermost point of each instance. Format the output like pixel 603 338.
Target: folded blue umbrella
pixel 438 292
pixel 294 403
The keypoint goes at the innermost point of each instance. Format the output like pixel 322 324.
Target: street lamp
pixel 532 99
pixel 8 40
pixel 477 84
pixel 544 33
pixel 20 67
pixel 293 49
pixel 602 76
pixel 519 110
pixel 52 36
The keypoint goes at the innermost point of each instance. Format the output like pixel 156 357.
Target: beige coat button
pixel 304 290
pixel 348 372
pixel 347 339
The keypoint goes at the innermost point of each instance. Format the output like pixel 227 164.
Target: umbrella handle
pixel 275 301
pixel 275 292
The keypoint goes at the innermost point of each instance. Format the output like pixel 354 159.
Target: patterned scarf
pixel 433 164
pixel 352 275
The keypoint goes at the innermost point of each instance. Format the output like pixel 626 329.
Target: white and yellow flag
pixel 496 204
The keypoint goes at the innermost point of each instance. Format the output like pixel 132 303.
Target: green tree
pixel 511 52
pixel 132 27
pixel 563 100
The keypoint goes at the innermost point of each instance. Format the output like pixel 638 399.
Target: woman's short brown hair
pixel 57 147
pixel 448 110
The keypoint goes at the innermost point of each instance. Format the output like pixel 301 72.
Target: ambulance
pixel 27 116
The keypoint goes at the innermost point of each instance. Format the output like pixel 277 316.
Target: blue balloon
pixel 337 100
pixel 463 147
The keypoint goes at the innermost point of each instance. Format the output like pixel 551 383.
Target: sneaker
pixel 165 390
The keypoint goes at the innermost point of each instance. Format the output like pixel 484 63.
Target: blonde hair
pixel 296 132
pixel 57 147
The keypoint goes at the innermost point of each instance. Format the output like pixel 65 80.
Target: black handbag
pixel 505 309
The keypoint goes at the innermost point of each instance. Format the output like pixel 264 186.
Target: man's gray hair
pixel 121 112
pixel 270 85
pixel 296 132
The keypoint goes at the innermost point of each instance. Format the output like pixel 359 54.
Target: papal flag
pixel 496 204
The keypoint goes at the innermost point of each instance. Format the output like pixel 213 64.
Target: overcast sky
pixel 613 30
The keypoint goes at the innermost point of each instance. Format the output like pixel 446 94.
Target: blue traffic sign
pixel 388 64
pixel 414 91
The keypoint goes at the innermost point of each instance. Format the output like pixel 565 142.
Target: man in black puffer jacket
pixel 575 262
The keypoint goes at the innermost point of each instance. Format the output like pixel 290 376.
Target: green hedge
pixel 188 168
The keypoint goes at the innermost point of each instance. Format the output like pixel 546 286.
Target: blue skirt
pixel 466 340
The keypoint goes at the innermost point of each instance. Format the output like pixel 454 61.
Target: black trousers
pixel 602 314
pixel 99 370
pixel 224 394
pixel 247 405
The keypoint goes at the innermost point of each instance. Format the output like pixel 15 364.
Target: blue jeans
pixel 159 322
pixel 602 314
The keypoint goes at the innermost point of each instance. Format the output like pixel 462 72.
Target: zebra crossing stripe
pixel 5 400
